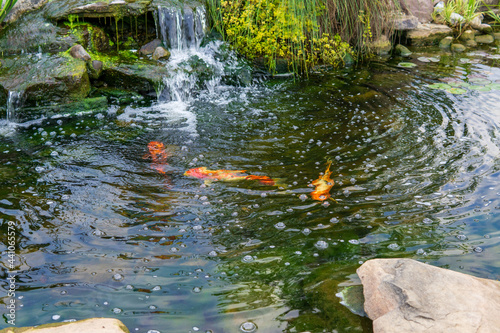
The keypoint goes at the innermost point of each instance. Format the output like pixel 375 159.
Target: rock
pixel 457 48
pixel 422 9
pixel 402 50
pixel 446 42
pixel 456 19
pixel 485 39
pixel 96 39
pixel 32 33
pixel 468 35
pixel 94 325
pixel 428 34
pixel 61 9
pixel 50 79
pixel 21 7
pixel 140 77
pixel 78 52
pixel 161 53
pixel 150 47
pixel 471 43
pixel 94 104
pixel 405 22
pixel 381 46
pixel 404 295
pixel 496 35
pixel 95 68
pixel 477 24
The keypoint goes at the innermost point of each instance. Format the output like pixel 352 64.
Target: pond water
pixel 103 230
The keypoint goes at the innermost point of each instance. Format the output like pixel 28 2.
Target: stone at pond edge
pixel 381 46
pixel 78 52
pixel 471 43
pixel 468 35
pixel 422 9
pixel 485 39
pixel 428 34
pixel 457 48
pixel 446 42
pixel 404 22
pixel 93 325
pixel 150 47
pixel 161 53
pixel 402 50
pixel 404 295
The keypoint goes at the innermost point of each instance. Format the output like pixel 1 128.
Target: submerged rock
pixel 404 295
pixel 457 48
pixel 446 42
pixel 428 34
pixel 381 46
pixel 402 50
pixel 94 325
pixel 485 39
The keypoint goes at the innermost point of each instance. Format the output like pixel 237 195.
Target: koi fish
pixel 226 175
pixel 158 155
pixel 323 185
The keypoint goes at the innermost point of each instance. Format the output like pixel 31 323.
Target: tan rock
pixel 404 295
pixel 161 53
pixel 422 9
pixel 93 325
pixel 78 52
pixel 428 34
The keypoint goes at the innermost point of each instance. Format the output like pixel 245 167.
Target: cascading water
pixel 192 67
pixel 14 102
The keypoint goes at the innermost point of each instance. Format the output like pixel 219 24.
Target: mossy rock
pixel 46 80
pixel 62 9
pixel 95 104
pixel 93 38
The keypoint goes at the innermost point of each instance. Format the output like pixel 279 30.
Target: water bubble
pixel 325 203
pixel 354 241
pixel 478 249
pixel 303 197
pixel 263 194
pixel 358 216
pixel 129 287
pixel 306 231
pixel 248 327
pixel 196 329
pixel 420 252
pixel 56 317
pixel 153 331
pixel 298 252
pixel 247 258
pixel 234 214
pixel 197 227
pixel 334 220
pixel 461 237
pixel 54 154
pixel 352 180
pixel 174 249
pixel 118 277
pixel 39 169
pixel 196 290
pixel 280 226
pixel 212 254
pixel 321 245
pixel 346 193
pixel 156 288
pixel 117 310
pixel 152 307
pixel 203 198
pixel 393 246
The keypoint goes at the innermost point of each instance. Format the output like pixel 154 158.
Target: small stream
pixel 104 231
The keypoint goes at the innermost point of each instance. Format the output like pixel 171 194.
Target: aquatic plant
pixel 458 13
pixel 306 33
pixel 6 8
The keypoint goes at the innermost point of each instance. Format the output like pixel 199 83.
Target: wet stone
pixel 484 39
pixel 446 42
pixel 161 53
pixel 150 47
pixel 457 48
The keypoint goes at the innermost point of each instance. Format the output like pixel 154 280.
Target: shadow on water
pixel 102 233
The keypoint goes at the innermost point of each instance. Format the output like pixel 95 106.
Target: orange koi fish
pixel 158 155
pixel 226 175
pixel 323 185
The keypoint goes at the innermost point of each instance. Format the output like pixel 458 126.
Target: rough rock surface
pixel 485 39
pixel 161 53
pixel 422 9
pixel 94 325
pixel 428 34
pixel 405 22
pixel 78 52
pixel 404 295
pixel 23 6
pixel 150 47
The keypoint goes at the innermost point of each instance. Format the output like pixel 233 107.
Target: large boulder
pixel 422 9
pixel 94 325
pixel 23 6
pixel 405 22
pixel 404 295
pixel 428 34
pixel 61 9
pixel 46 80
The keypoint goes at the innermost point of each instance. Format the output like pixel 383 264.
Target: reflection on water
pixel 102 233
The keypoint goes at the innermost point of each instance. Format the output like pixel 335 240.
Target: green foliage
pixel 305 32
pixel 466 8
pixel 494 16
pixel 5 8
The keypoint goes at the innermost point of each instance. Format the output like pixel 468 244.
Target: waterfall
pixel 181 28
pixel 14 102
